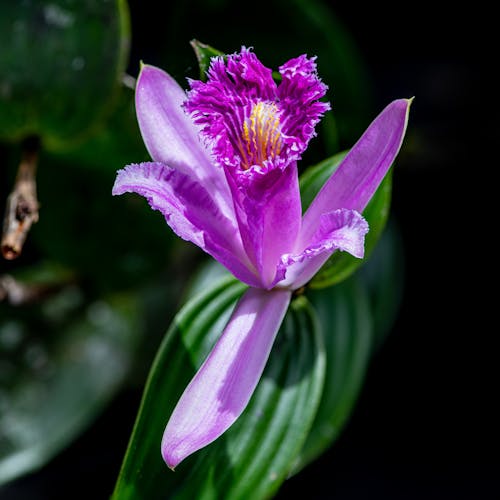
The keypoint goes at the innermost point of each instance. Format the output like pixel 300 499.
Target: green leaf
pixel 199 321
pixel 77 223
pixel 61 360
pixel 340 63
pixel 345 317
pixel 383 278
pixel 203 54
pixel 312 180
pixel 61 65
pixel 254 456
pixel 117 144
pixel 341 265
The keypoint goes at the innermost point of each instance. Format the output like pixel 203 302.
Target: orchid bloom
pixel 225 177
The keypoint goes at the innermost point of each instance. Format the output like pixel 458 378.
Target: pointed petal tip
pixel 147 71
pixel 168 457
pixel 144 66
pixel 409 102
pixel 147 67
pixel 404 104
pixel 171 450
pixel 406 109
pixel 176 446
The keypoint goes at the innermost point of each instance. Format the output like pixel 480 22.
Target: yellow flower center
pixel 261 135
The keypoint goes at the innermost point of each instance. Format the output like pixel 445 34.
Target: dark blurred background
pixel 424 426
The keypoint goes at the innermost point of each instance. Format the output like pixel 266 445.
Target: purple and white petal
pixel 341 229
pixel 360 173
pixel 190 211
pixel 170 135
pixel 222 387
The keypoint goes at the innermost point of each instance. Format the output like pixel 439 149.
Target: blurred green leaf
pixel 355 316
pixel 199 321
pixel 61 360
pixel 61 66
pixel 313 179
pixel 82 227
pixel 383 278
pixel 341 265
pixel 340 64
pixel 117 144
pixel 329 133
pixel 254 456
pixel 345 317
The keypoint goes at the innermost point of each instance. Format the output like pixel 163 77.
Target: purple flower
pixel 225 178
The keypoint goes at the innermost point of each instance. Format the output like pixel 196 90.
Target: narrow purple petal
pixel 170 135
pixel 362 170
pixel 190 211
pixel 222 387
pixel 342 229
pixel 268 209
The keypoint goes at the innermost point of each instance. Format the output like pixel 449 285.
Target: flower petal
pixel 170 135
pixel 268 210
pixel 190 211
pixel 222 104
pixel 298 93
pixel 222 387
pixel 339 230
pixel 362 170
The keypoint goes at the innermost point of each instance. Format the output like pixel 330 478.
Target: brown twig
pixel 22 203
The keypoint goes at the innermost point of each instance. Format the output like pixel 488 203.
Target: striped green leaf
pixel 256 454
pixel 346 320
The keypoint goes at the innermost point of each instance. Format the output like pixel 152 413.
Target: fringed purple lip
pixel 224 175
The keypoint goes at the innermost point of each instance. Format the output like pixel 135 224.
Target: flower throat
pixel 261 138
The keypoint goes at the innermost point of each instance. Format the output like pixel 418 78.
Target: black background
pixel 424 426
